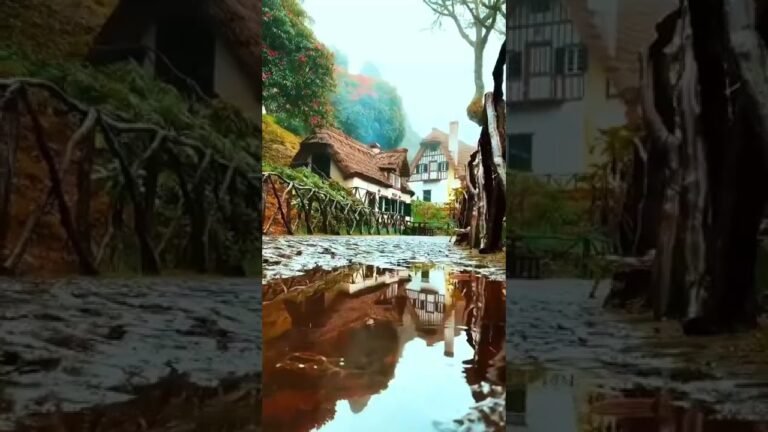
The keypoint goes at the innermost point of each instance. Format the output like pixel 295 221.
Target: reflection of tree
pixel 486 304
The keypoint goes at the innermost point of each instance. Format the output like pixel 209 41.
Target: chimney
pixel 375 147
pixel 453 140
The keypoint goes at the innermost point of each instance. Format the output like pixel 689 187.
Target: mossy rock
pixel 475 110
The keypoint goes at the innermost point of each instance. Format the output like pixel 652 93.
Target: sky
pixel 432 68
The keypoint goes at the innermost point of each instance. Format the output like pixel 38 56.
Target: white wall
pixel 149 40
pixel 558 136
pixel 440 190
pixel 437 280
pixel 356 182
pixel 232 83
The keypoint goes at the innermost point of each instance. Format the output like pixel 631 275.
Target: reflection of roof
pixel 355 159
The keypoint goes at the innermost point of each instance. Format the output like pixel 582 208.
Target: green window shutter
pixel 516 65
pixel 560 61
pixel 583 58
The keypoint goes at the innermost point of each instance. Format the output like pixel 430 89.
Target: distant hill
pixel 411 140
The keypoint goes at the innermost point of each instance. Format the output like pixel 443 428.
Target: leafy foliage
pixel 369 110
pixel 129 92
pixel 305 177
pixel 537 208
pixel 432 213
pixel 297 69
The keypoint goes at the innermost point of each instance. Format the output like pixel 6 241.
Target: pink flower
pixel 271 53
pixel 302 58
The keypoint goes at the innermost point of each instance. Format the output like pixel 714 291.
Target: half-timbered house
pixel 378 178
pixel 572 67
pixel 439 165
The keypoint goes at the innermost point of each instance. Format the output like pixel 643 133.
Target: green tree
pixel 297 69
pixel 340 59
pixel 369 110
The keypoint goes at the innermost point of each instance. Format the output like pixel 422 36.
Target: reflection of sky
pixel 432 69
pixel 436 279
pixel 427 386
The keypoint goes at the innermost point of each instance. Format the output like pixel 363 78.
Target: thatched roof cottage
pixel 214 44
pixel 374 176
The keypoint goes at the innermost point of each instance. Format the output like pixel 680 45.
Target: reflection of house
pixel 371 276
pixel 568 60
pixel 377 177
pixel 213 43
pixel 439 164
pixel 530 405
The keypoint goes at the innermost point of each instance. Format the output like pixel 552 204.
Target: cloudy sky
pixel 431 68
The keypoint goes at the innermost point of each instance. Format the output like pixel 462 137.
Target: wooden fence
pixel 295 208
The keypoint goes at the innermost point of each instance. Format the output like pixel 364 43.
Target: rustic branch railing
pixel 140 153
pixel 301 208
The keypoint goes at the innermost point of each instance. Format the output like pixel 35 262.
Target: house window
pixel 397 182
pixel 427 196
pixel 610 89
pixel 520 152
pixel 422 168
pixel 539 60
pixel 425 275
pixel 189 45
pixel 540 6
pixel 571 60
pixel 442 166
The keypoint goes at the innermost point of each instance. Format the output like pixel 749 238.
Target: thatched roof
pixel 238 22
pixel 439 137
pixel 396 160
pixel 635 30
pixel 355 159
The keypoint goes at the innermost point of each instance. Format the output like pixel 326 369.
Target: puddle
pixel 638 373
pixel 346 348
pixel 533 394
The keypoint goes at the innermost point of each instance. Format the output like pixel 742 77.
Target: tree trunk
pixel 713 129
pixel 478 49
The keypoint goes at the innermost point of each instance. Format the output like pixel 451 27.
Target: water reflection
pixel 348 348
pixel 533 394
